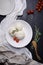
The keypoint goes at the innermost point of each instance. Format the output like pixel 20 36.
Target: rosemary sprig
pixel 37 34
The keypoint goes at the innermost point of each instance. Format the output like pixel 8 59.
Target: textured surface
pixel 11 58
pixel 34 19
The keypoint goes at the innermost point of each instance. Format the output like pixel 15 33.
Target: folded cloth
pixel 11 58
pixel 14 55
pixel 19 56
pixel 20 5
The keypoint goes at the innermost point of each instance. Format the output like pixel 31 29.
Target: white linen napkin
pixel 20 5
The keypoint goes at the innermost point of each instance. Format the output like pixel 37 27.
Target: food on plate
pixel 19 26
pixel 16 39
pixel 17 32
pixel 12 31
pixel 20 35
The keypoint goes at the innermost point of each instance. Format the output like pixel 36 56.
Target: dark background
pixel 33 19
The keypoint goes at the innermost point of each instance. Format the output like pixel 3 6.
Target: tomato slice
pixel 16 39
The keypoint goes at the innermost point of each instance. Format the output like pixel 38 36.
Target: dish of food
pixel 19 33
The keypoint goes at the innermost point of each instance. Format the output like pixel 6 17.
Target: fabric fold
pixel 14 55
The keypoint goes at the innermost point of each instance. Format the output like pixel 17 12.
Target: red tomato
pixel 32 11
pixel 39 3
pixel 29 12
pixel 41 7
pixel 17 40
pixel 14 38
pixel 39 10
pixel 42 4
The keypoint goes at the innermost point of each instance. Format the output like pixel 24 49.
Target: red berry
pixel 17 40
pixel 41 7
pixel 14 38
pixel 39 10
pixel 42 4
pixel 28 12
pixel 39 3
pixel 32 11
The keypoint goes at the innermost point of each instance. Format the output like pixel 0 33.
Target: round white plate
pixel 9 6
pixel 6 6
pixel 28 35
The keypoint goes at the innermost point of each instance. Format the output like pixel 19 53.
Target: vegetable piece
pixel 30 11
pixel 35 41
pixel 16 39
pixel 37 7
pixel 35 47
pixel 39 3
pixel 39 10
pixel 40 7
pixel 42 4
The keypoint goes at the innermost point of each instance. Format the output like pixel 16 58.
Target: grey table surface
pixel 33 19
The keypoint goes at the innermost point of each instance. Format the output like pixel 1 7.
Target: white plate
pixel 6 6
pixel 9 6
pixel 28 35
